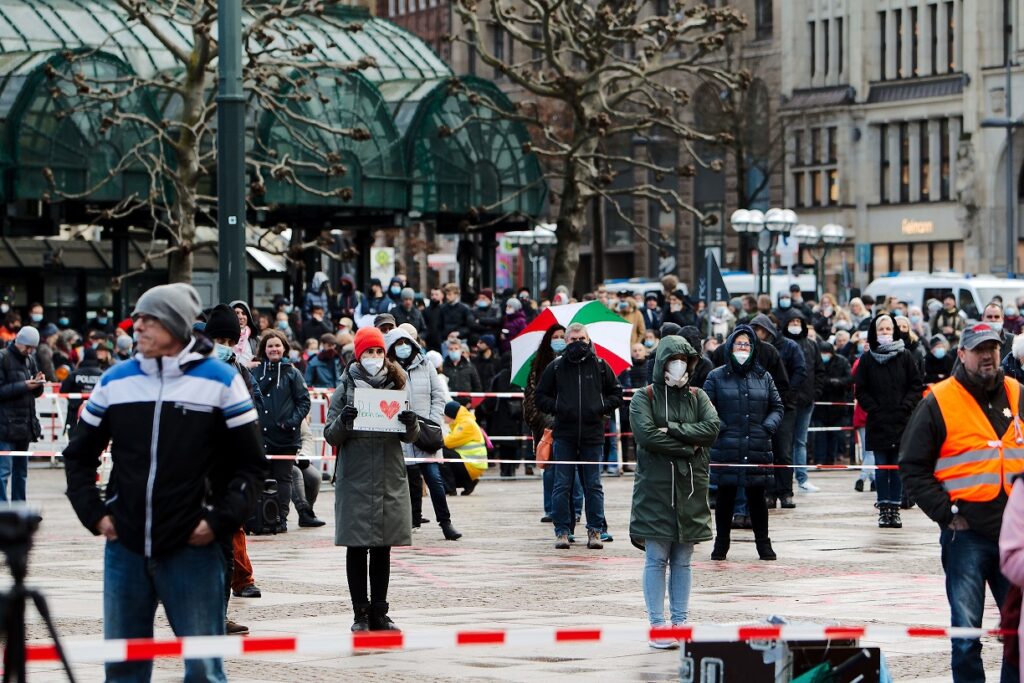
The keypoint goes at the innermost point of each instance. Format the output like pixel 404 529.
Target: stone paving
pixel 835 566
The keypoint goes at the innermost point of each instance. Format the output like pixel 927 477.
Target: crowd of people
pixel 715 413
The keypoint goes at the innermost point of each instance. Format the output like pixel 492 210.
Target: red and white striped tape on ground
pixel 498 461
pixel 348 643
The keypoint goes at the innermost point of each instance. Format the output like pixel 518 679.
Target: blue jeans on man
pixel 802 424
pixel 190 585
pixel 548 478
pixel 14 468
pixel 565 475
pixel 971 561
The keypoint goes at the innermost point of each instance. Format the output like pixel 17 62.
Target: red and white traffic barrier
pixel 347 643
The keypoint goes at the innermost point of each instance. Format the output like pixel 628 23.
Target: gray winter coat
pixel 426 392
pixel 371 496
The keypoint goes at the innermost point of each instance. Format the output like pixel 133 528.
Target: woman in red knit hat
pixel 371 499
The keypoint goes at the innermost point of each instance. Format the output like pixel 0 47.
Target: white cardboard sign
pixel 378 410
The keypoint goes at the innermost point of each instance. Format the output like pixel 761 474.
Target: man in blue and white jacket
pixel 188 462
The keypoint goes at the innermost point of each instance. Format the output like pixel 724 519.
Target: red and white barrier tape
pixel 199 647
pixel 456 394
pixel 499 461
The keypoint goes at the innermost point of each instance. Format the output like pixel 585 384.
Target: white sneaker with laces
pixel 808 487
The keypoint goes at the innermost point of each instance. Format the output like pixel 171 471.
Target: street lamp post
pixel 233 282
pixel 818 242
pixel 766 226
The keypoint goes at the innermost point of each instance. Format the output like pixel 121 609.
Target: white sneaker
pixel 664 644
pixel 808 487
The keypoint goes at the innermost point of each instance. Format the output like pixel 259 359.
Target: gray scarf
pixel 365 380
pixel 886 352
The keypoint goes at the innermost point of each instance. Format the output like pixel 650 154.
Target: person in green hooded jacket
pixel 674 424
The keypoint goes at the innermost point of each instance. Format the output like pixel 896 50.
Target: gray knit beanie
pixel 514 304
pixel 27 336
pixel 176 306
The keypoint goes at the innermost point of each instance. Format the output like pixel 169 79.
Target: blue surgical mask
pixel 784 303
pixel 224 353
pixel 63 322
pixel 558 345
pixel 100 320
pixel 396 290
pixel 915 320
pixel 455 354
pixel 482 304
pixel 939 353
pixel 826 357
pixel 37 317
pixel 403 351
pixel 282 324
pixel 649 343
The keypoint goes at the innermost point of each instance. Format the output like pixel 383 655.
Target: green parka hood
pixel 673 345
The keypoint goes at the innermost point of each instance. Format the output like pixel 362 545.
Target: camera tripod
pixel 16 529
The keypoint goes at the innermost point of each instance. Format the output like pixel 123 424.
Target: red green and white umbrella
pixel 610 334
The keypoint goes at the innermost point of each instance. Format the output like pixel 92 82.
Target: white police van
pixel 972 292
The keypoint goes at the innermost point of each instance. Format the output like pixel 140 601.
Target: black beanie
pixel 223 324
pixel 451 409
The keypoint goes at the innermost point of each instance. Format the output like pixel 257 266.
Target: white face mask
pixel 741 356
pixel 884 339
pixel 794 329
pixel 675 373
pixel 372 365
pixel 995 324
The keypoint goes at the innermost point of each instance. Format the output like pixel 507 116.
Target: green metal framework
pixel 402 100
pixel 463 156
pixel 44 125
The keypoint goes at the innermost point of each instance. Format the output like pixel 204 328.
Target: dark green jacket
pixel 670 491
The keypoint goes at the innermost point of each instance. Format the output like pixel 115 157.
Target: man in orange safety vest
pixel 962 448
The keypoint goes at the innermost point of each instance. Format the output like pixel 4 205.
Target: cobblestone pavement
pixel 834 566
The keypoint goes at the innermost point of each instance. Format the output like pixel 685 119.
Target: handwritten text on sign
pixel 378 410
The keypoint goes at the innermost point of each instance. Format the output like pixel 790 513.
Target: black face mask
pixel 577 351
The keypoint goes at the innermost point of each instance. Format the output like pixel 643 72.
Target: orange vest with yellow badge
pixel 975 462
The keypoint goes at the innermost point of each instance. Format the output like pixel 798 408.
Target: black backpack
pixel 267 515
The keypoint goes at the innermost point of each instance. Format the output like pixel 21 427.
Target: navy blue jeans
pixel 565 475
pixel 971 561
pixel 549 488
pixel 889 486
pixel 431 472
pixel 189 584
pixel 14 468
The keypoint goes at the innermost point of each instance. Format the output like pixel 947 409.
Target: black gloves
pixel 349 413
pixel 407 417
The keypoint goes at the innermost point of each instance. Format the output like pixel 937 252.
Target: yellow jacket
pixel 467 439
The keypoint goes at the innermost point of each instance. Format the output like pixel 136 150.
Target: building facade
pixel 885 103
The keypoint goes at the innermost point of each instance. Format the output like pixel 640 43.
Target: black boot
pixel 764 549
pixel 721 548
pixel 883 516
pixel 379 619
pixel 308 519
pixel 450 533
pixel 362 622
pixel 894 517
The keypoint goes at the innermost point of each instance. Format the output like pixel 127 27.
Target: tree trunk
pixel 569 231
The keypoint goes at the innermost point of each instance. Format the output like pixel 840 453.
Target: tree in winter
pixel 614 71
pixel 166 108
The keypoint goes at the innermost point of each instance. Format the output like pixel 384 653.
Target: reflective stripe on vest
pixel 974 463
pixel 475 455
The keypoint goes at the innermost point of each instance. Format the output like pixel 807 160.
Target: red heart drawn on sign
pixel 390 409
